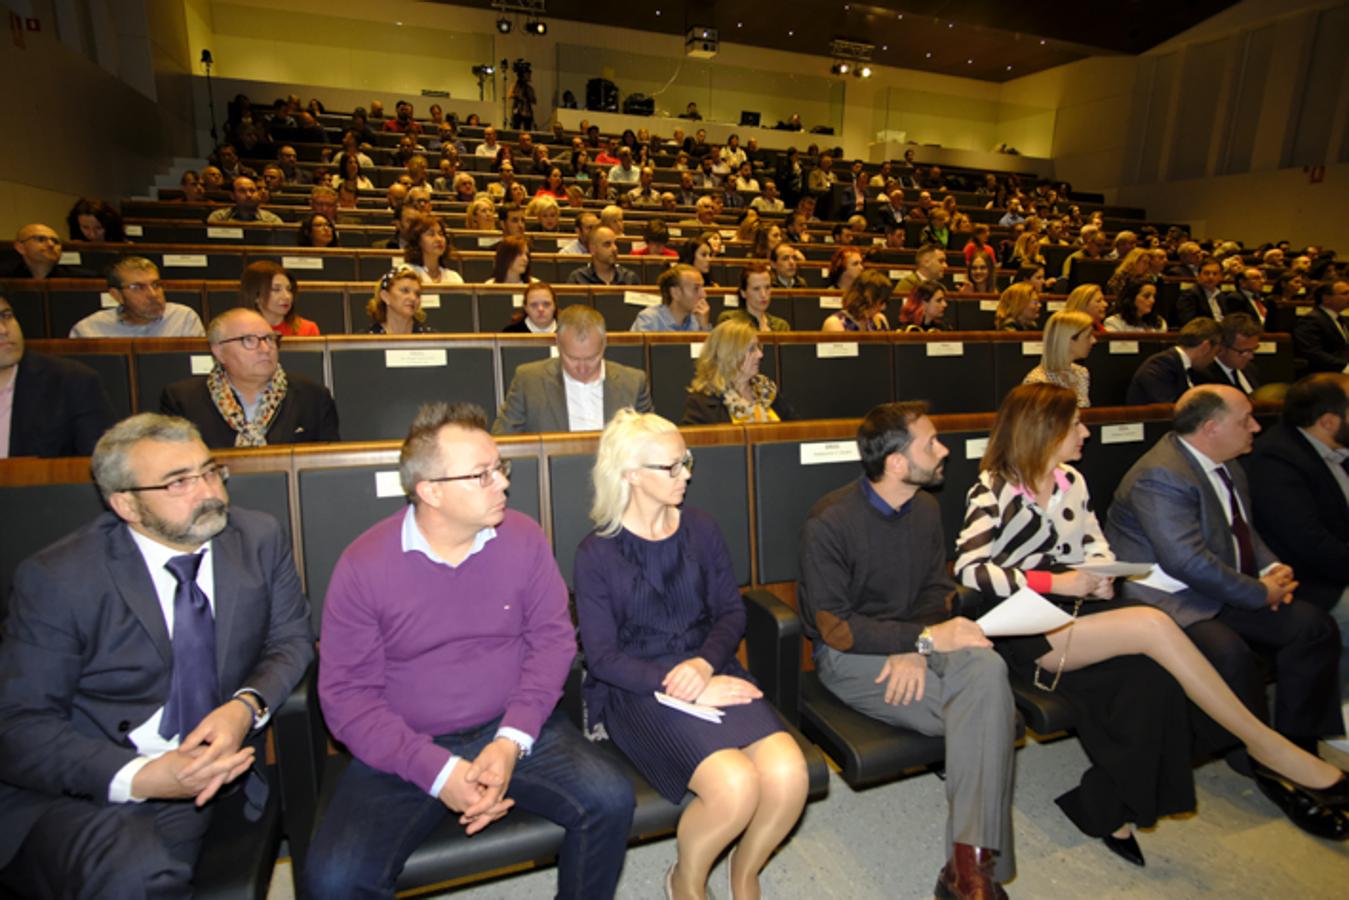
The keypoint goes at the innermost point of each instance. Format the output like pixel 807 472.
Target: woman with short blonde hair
pixel 1018 308
pixel 1068 338
pixel 727 386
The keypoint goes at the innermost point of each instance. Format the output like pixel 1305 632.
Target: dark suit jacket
pixel 86 655
pixel 307 414
pixel 705 409
pixel 1180 270
pixel 1301 511
pixel 1214 374
pixel 1319 341
pixel 537 398
pixel 15 267
pixel 1166 511
pixel 1192 304
pixel 60 408
pixel 1238 302
pixel 1160 379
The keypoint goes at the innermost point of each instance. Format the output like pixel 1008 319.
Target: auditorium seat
pixel 834 376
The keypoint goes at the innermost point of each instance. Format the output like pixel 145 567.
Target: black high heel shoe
pixel 1336 796
pixel 1125 848
pixel 1321 813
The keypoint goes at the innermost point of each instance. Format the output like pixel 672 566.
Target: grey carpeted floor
pixel 886 843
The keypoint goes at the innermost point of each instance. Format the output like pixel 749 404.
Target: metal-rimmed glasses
pixel 684 462
pixel 484 478
pixel 252 341
pixel 184 484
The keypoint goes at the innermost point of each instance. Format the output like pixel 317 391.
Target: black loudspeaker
pixel 639 105
pixel 601 95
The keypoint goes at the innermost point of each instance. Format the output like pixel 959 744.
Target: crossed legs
pixel 757 794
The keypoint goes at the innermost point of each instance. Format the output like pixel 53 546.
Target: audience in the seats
pixel 246 207
pixel 683 302
pixel 766 236
pixel 317 230
pixel 1068 340
pixel 980 275
pixel 140 310
pixel 538 311
pixel 96 222
pixel 192 189
pixel 1235 365
pixel 248 399
pixel 39 256
pixel 510 264
pixel 1320 339
pixel 887 644
pixel 49 405
pixel 429 252
pixel 1202 298
pixel 924 309
pixel 1029 523
pixel 604 267
pixel 1088 298
pixel 455 715
pixel 585 225
pixel 937 231
pixel 578 390
pixel 1186 507
pixel 1167 374
pixel 656 240
pixel 1189 254
pixel 1248 297
pixel 768 200
pixel 660 614
pixel 110 717
pixel 930 266
pixel 727 387
pixel 611 217
pixel 978 246
pixel 785 259
pixel 844 268
pixel 1093 241
pixel 396 307
pixel 268 288
pixel 1018 308
pixel 864 304
pixel 1135 309
pixel 755 294
pixel 698 252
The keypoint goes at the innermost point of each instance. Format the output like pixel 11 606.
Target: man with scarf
pixel 248 399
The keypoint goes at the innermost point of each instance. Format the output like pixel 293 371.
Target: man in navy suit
pixel 49 406
pixel 1235 365
pixel 1320 338
pixel 1204 298
pixel 1249 296
pixel 1164 376
pixel 140 660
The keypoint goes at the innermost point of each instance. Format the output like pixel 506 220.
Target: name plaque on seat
pixel 414 359
pixel 388 484
pixel 1056 305
pixel 302 262
pixel 946 348
pixel 70 258
pixel 518 300
pixel 430 301
pixel 202 364
pixel 1123 348
pixel 107 300
pixel 975 447
pixel 817 453
pixel 1265 348
pixel 1032 348
pixel 225 234
pixel 988 306
pixel 896 274
pixel 134 231
pixel 185 260
pixel 730 301
pixel 835 350
pixel 1130 433
pixel 831 303
pixel 488 241
pixel 636 298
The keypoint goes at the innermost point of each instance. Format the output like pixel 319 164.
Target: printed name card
pixel 946 348
pixel 878 242
pixel 728 233
pixel 518 300
pixel 430 301
pixel 696 349
pixel 562 242
pixel 896 274
pixel 202 364
pixel 488 241
pixel 730 301
pixel 1124 348
pixel 817 453
pixel 1302 310
pixel 1056 305
pixel 1032 348
pixel 552 351
pixel 302 262
pixel 225 234
pixel 70 258
pixel 676 232
pixel 107 300
pixel 1132 433
pixel 988 306
pixel 414 359
pixel 638 246
pixel 835 350
pixel 134 231
pixel 1187 285
pixel 388 484
pixel 975 447
pixel 637 298
pixel 831 303
pixel 1265 348
pixel 185 260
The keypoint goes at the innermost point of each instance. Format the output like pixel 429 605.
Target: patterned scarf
pixel 758 407
pixel 250 434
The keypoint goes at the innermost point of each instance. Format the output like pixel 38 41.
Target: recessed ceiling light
pixel 885 46
pixel 657 12
pixel 739 24
pixel 969 62
pixel 399 24
pixel 901 15
pixel 1042 42
pixel 791 34
pixel 929 55
pixel 950 24
pixel 1009 68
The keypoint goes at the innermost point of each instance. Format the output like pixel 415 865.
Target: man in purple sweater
pixel 444 648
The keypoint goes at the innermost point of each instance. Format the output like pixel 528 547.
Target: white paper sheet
pixel 1114 568
pixel 1157 578
pixel 698 711
pixel 1025 612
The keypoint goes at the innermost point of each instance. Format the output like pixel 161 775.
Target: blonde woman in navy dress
pixel 659 610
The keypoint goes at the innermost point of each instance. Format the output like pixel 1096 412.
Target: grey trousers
pixel 966 698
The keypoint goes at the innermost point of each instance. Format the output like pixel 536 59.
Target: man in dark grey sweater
pixel 873 597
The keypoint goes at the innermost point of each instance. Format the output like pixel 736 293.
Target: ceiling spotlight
pixel 536 27
pixel 840 68
pixel 929 55
pixel 864 72
pixel 504 25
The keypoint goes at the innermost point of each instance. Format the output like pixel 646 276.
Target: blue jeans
pixel 376 819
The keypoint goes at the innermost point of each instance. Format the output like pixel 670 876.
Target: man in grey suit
pixel 1186 505
pixel 134 679
pixel 577 391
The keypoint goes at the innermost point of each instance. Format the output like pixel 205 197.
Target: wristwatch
pixel 924 644
pixel 260 713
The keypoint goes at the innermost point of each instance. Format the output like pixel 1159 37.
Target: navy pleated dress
pixel 645 606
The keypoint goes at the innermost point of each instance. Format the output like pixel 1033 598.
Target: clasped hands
pixel 693 682
pixel 1279 585
pixel 207 759
pixel 477 790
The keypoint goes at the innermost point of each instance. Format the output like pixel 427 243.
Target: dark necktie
pixel 194 690
pixel 1240 530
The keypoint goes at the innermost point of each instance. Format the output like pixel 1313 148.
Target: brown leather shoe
pixel 968 875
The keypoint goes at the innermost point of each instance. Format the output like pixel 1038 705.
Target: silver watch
pixel 924 644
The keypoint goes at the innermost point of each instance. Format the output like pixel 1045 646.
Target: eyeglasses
pixel 251 341
pixel 484 478
pixel 684 462
pixel 44 239
pixel 141 287
pixel 7 315
pixel 184 484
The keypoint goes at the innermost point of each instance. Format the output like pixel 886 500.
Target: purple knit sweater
pixel 411 649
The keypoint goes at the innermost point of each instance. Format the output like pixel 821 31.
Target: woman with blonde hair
pixel 481 215
pixel 727 386
pixel 1088 298
pixel 1068 338
pixel 660 613
pixel 1018 308
pixel 544 210
pixel 1136 266
pixel 1026 251
pixel 396 307
pixel 864 304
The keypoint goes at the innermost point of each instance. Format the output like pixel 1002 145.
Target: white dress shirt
pixel 585 402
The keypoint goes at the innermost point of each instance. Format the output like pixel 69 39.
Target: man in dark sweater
pixel 873 598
